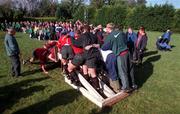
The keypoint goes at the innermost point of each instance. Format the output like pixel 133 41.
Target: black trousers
pixel 138 55
pixel 15 65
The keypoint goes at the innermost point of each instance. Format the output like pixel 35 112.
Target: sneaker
pixel 134 87
pixel 127 90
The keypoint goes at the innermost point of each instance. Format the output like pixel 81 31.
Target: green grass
pixel 36 93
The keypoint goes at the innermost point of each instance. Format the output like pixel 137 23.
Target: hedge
pixel 116 14
pixel 155 18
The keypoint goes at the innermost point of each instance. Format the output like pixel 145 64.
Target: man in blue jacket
pixel 13 51
pixel 167 36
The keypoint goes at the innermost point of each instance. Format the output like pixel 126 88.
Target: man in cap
pixel 13 51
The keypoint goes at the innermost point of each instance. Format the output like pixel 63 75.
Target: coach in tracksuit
pixel 13 52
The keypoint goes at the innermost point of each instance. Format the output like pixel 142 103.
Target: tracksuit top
pixel 115 41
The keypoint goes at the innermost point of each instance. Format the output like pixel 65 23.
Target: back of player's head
pixel 86 28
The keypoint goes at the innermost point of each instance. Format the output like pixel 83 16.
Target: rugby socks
pixel 95 83
pixel 65 69
pixel 86 76
pixel 75 79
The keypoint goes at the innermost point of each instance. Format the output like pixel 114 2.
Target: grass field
pixel 36 93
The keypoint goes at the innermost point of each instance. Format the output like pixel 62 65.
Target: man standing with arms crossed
pixel 13 51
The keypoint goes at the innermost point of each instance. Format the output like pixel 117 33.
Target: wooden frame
pixel 90 93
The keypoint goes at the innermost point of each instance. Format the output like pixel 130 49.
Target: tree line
pixel 125 12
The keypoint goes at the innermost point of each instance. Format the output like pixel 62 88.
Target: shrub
pixel 157 18
pixel 176 23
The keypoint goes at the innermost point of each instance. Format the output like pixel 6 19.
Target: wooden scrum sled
pixel 90 93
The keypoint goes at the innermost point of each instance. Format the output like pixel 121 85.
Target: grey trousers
pixel 15 65
pixel 125 71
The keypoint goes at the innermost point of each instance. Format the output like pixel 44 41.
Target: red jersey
pixel 76 49
pixel 51 44
pixel 41 55
pixel 64 40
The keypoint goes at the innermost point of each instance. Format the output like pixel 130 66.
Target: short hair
pixel 87 28
pixel 142 28
pixel 10 30
pixel 110 25
pixel 78 32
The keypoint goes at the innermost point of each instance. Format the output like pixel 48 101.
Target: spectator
pixel 13 51
pixel 140 45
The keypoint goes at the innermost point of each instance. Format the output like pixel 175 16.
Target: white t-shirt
pixel 105 54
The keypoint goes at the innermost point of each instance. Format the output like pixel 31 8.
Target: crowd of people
pixel 86 48
pixel 43 30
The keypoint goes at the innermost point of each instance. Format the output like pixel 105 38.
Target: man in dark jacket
pixel 13 51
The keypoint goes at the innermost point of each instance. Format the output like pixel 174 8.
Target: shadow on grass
pixel 2 76
pixel 10 94
pixel 104 110
pixel 30 72
pixel 149 53
pixel 173 46
pixel 143 72
pixel 43 107
pixel 50 66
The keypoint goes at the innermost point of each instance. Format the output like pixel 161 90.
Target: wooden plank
pixel 86 93
pixel 69 82
pixel 93 99
pixel 114 99
pixel 90 93
pixel 107 91
pixel 89 87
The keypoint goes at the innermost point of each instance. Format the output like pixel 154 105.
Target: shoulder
pixel 145 36
pixel 8 37
pixel 134 33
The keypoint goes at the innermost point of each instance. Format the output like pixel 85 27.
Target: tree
pixel 67 8
pixel 141 2
pixel 176 24
pixel 6 11
pixel 97 3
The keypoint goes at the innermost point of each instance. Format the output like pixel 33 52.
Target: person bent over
pixel 90 55
pixel 66 51
pixel 41 54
